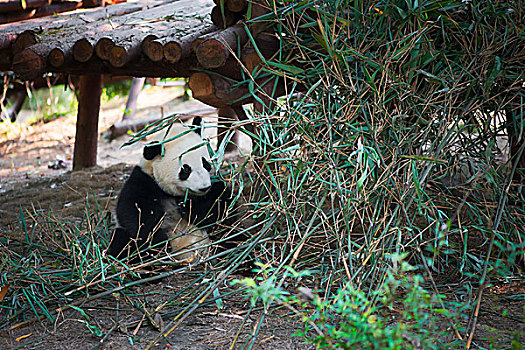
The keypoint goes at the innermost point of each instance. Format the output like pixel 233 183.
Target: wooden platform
pixel 112 39
pixel 159 38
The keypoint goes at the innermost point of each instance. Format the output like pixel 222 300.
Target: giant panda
pixel 170 200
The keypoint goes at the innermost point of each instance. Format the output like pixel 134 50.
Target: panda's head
pixel 185 165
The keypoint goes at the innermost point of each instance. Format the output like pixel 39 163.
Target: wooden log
pixel 103 48
pixel 225 21
pixel 172 45
pixel 215 49
pixel 19 5
pixel 124 53
pixel 267 45
pixel 86 137
pixel 16 17
pixel 122 127
pixel 131 104
pixel 24 40
pixel 122 47
pixel 61 54
pixel 226 116
pixel 31 62
pixel 175 48
pixel 83 50
pixel 216 91
pixel 237 5
pixel 152 47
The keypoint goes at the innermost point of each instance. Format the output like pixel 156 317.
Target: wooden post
pixel 131 104
pixel 85 152
pixel 226 116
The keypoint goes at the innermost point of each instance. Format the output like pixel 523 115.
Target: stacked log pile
pixel 161 38
pixel 105 40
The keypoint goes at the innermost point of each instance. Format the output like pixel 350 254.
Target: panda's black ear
pixel 152 150
pixel 197 122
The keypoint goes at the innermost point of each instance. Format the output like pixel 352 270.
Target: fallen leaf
pixel 23 337
pixel 3 291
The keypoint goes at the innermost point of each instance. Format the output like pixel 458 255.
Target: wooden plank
pixel 9 32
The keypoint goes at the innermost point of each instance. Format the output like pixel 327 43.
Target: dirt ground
pixel 28 185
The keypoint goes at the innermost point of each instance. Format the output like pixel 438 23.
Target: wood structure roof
pixel 113 39
pixel 156 38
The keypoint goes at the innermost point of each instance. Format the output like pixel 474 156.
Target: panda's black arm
pixel 140 207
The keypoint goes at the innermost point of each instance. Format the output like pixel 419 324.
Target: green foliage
pixel 394 142
pixel 49 104
pixel 116 89
pixel 399 314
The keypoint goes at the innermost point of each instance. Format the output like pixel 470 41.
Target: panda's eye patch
pixel 205 164
pixel 185 172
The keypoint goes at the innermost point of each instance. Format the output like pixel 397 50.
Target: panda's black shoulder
pixel 141 185
pixel 140 196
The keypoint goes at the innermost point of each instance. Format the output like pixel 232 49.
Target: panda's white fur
pixel 149 206
pixel 165 168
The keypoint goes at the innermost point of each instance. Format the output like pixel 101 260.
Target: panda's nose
pixel 204 189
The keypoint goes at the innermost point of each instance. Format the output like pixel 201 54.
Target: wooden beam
pixel 216 91
pixel 237 5
pixel 86 138
pixel 226 116
pixel 223 22
pixel 215 49
pixel 131 104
